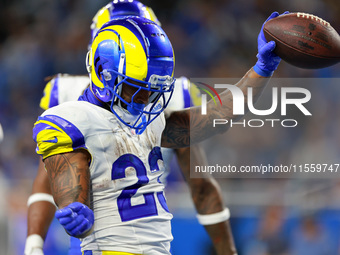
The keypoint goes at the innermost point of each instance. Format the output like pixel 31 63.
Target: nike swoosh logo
pixel 55 140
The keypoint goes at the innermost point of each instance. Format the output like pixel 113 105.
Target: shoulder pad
pixel 55 135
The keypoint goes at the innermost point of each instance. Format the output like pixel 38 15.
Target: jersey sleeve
pixel 50 97
pixel 63 88
pixel 185 95
pixel 55 135
pixel 195 95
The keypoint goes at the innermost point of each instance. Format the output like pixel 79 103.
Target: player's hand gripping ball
pixel 76 218
pixel 267 61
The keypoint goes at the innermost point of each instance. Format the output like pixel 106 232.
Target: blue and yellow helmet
pixel 121 8
pixel 132 51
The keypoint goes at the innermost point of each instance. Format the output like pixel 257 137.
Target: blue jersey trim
pixel 186 96
pixel 71 130
pixel 54 100
pixel 88 96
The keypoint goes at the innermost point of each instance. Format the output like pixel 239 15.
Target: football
pixel 304 40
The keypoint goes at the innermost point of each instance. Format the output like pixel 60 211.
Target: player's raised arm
pixel 190 126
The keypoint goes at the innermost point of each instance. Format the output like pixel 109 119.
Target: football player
pixel 102 152
pixel 205 191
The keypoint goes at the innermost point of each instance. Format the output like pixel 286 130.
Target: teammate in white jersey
pixel 205 191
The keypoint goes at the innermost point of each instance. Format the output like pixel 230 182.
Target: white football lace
pixel 313 17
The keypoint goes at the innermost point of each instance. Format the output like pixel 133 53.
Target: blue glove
pixel 76 218
pixel 267 61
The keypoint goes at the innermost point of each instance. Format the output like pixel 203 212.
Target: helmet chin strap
pixel 125 114
pixel 131 113
pixel 135 109
pixel 130 119
pixel 142 125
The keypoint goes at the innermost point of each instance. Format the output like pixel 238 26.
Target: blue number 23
pixel 148 208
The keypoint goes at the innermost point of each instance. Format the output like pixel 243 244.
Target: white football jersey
pixel 129 206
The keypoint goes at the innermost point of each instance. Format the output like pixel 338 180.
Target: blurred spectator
pixel 270 238
pixel 311 239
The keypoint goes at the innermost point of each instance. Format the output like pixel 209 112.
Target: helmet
pixel 121 8
pixel 134 52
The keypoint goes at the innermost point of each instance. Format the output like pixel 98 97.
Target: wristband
pixel 261 72
pixel 214 218
pixel 33 242
pixel 37 197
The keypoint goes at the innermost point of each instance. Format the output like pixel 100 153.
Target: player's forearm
pixel 201 126
pixel 69 177
pixel 41 207
pixel 208 201
pixel 36 224
pixel 190 126
pixel 40 213
pixel 222 238
pixel 207 198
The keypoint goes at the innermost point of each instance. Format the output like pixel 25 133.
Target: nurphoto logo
pixel 279 100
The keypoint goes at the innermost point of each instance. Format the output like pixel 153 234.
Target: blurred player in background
pixel 205 191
